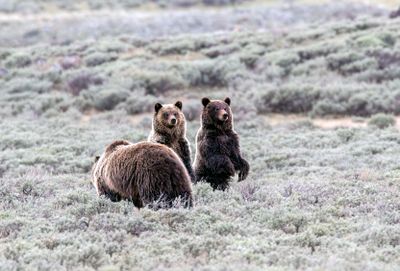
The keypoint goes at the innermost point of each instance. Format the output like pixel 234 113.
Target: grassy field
pixel 315 92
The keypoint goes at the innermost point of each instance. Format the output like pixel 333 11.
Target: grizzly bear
pixel 144 173
pixel 218 154
pixel 169 128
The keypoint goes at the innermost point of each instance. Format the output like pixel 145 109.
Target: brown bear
pixel 218 154
pixel 169 128
pixel 144 173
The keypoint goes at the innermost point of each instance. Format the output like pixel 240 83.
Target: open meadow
pixel 315 90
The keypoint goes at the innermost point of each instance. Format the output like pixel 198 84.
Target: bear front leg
pixel 161 139
pixel 240 164
pixel 108 193
pixel 244 170
pixel 185 156
pixel 198 177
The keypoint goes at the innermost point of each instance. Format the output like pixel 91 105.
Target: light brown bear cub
pixel 169 128
pixel 143 173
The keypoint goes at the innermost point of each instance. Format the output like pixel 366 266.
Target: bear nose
pixel 225 116
pixel 173 121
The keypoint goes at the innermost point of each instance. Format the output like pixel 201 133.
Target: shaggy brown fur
pixel 169 128
pixel 143 172
pixel 218 154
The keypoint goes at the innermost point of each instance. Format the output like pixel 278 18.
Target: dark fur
pixel 394 14
pixel 143 173
pixel 218 154
pixel 172 135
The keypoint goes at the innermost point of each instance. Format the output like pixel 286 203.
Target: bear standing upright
pixel 169 128
pixel 218 154
pixel 143 173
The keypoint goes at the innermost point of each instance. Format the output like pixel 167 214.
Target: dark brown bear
pixel 169 128
pixel 143 173
pixel 217 146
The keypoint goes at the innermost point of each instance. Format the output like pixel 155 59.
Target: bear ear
pixel 179 104
pixel 96 158
pixel 205 101
pixel 227 100
pixel 157 107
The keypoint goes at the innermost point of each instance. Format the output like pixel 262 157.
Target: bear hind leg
pixel 218 182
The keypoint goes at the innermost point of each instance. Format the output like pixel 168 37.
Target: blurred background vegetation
pixel 271 58
pixel 315 88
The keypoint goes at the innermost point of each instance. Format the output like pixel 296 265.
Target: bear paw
pixel 244 171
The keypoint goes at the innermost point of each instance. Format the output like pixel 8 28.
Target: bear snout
pixel 173 121
pixel 223 115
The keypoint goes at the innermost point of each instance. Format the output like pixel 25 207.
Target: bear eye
pixel 165 115
pixel 175 114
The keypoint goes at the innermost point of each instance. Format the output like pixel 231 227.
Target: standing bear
pixel 143 173
pixel 169 128
pixel 217 146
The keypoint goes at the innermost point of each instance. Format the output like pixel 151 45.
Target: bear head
pixel 169 118
pixel 217 114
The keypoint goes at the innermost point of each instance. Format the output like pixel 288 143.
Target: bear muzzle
pixel 223 115
pixel 172 122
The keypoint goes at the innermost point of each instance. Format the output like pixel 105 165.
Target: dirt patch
pixel 186 57
pixel 136 119
pixel 324 123
pixel 327 123
pixel 274 120
pixel 340 122
pixel 63 15
pixel 135 52
pixel 88 115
